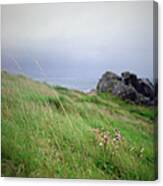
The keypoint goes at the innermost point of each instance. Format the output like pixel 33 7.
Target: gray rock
pixel 130 79
pixel 107 82
pixel 127 87
pixel 124 91
pixel 145 88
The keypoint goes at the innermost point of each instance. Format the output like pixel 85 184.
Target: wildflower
pixel 142 150
pixel 101 137
pixel 105 138
pixel 100 144
pixel 118 136
pixel 132 149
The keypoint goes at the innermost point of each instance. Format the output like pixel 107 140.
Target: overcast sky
pixel 79 39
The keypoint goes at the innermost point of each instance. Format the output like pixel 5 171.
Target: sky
pixel 78 40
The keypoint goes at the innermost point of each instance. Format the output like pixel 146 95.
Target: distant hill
pixel 61 133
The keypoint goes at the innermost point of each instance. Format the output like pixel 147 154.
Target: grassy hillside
pixel 55 132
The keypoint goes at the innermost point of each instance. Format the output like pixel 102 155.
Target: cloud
pixel 114 35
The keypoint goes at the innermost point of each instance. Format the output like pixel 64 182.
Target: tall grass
pixel 38 140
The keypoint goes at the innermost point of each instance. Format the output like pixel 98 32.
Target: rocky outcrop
pixel 127 87
pixel 107 82
pixel 124 91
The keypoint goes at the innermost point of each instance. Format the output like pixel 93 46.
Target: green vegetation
pixel 52 132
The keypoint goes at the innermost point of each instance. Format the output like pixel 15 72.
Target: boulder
pixel 144 100
pixel 124 91
pixel 145 88
pixel 107 82
pixel 127 87
pixel 156 92
pixel 130 79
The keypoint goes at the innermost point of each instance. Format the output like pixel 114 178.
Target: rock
pixel 143 86
pixel 107 82
pixel 143 100
pixel 156 92
pixel 146 88
pixel 127 87
pixel 124 91
pixel 130 79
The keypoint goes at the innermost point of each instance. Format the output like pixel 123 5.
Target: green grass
pixel 47 132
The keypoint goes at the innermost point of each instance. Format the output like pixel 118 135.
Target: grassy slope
pixel 39 140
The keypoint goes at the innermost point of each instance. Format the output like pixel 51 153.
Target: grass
pixel 41 139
